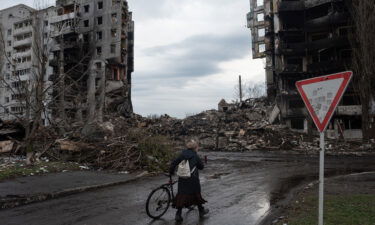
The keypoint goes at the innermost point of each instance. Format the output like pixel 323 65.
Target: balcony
pixel 22 54
pixel 66 30
pixel 63 17
pixel 67 45
pixel 326 66
pixel 64 2
pixel 24 65
pixel 310 4
pixel 123 35
pixel 249 18
pixel 349 110
pixel 22 30
pixel 292 68
pixel 291 6
pixel 300 48
pixel 290 48
pixel 325 23
pixel 296 112
pixel 334 42
pixel 24 42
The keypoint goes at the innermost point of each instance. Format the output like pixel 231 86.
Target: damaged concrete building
pixel 17 56
pixel 96 39
pixel 90 60
pixel 300 39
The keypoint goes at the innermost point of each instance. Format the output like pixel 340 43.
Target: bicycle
pixel 159 200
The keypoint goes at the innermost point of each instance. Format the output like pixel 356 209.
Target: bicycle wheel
pixel 158 202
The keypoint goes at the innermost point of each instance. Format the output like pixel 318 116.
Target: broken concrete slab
pixel 6 146
pixel 274 114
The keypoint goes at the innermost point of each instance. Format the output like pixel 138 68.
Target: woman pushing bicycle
pixel 189 187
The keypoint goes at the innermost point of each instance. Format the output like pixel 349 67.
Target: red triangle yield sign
pixel 322 95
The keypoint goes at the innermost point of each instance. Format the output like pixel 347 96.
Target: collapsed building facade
pixel 300 39
pixel 90 58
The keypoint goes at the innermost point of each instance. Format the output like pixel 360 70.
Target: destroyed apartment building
pixel 89 59
pixel 300 40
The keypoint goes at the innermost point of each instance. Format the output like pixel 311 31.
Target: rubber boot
pixel 178 217
pixel 202 211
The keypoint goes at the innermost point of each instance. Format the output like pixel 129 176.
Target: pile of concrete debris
pixel 242 127
pixel 149 143
pixel 238 127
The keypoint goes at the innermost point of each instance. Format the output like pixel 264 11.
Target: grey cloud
pixel 148 9
pixel 200 55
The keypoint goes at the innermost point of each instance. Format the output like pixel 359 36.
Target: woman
pixel 189 189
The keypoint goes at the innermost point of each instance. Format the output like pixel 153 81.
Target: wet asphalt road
pixel 241 189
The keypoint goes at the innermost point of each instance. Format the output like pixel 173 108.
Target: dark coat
pixel 188 186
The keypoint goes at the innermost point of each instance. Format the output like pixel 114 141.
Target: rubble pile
pixel 149 143
pixel 117 144
pixel 242 127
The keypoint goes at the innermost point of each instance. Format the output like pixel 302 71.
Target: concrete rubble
pixel 247 126
pixel 135 143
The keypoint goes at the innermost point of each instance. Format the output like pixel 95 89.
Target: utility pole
pixel 240 87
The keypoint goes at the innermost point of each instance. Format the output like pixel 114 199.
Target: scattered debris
pixel 6 146
pixel 139 143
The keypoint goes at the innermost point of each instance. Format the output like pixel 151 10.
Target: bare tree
pixel 250 90
pixel 363 58
pixel 72 88
pixel 31 90
pixel 28 86
pixel 255 90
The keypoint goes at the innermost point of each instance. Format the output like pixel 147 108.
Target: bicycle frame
pixel 169 186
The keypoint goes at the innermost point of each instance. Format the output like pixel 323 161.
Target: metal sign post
pixel 321 177
pixel 321 96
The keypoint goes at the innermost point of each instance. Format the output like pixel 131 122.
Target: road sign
pixel 322 95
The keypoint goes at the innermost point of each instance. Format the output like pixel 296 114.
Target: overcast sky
pixel 188 53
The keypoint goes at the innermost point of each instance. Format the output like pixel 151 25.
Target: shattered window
pixel 113 48
pixel 261 32
pixel 86 38
pixel 100 5
pixel 86 23
pixel 98 50
pixel 99 35
pixel 260 17
pixel 262 47
pixel 297 124
pixel 87 8
pixel 114 32
pixel 114 18
pixel 100 20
